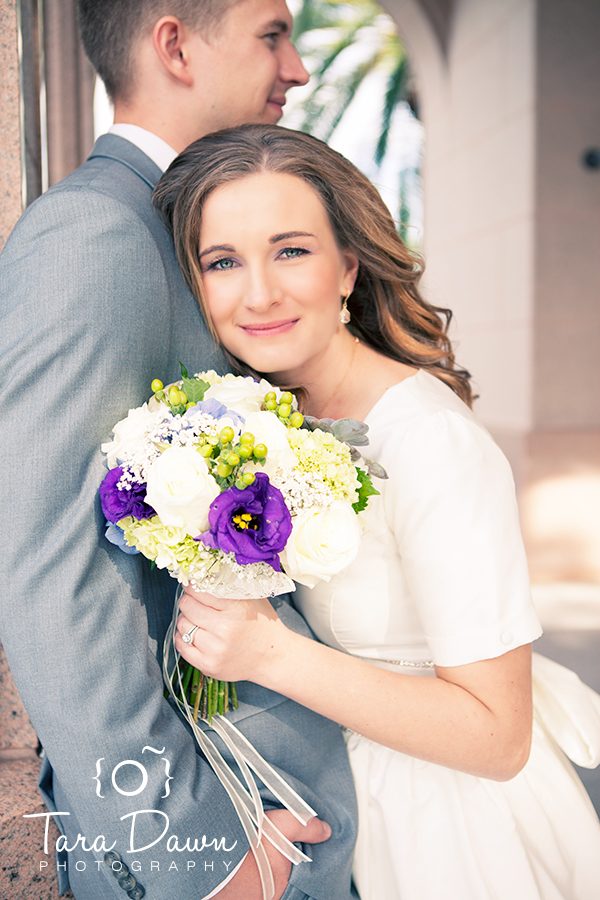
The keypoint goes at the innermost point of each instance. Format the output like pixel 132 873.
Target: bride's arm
pixel 475 718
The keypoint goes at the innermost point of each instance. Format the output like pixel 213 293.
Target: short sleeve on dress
pixel 450 501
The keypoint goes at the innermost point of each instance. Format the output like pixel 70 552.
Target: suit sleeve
pixel 85 327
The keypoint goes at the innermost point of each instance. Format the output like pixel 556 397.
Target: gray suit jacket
pixel 93 307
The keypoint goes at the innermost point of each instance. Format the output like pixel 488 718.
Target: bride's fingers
pixel 206 599
pixel 184 625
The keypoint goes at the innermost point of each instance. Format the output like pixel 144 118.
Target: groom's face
pixel 248 65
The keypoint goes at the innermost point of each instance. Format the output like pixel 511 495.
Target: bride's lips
pixel 269 329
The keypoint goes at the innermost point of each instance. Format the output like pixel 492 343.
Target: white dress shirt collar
pixel 158 150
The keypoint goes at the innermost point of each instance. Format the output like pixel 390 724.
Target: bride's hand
pixel 236 640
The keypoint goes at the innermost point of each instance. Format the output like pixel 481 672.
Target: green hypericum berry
pixel 247 438
pixel 270 404
pixel 223 470
pixel 296 419
pixel 260 451
pixel 284 410
pixel 286 397
pixel 174 396
pixel 270 396
pixel 206 450
pixel 156 386
pixel 244 451
pixel 233 460
pixel 248 478
pixel 227 434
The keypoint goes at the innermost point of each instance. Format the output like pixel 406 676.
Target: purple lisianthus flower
pixel 116 504
pixel 253 523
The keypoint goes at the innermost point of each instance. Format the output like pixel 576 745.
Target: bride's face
pixel 273 273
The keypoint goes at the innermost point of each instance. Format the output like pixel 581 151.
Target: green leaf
pixel 351 431
pixel 374 468
pixel 365 491
pixel 193 388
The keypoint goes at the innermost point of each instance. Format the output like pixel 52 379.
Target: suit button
pixel 137 892
pixel 127 882
pixel 120 872
pixel 111 857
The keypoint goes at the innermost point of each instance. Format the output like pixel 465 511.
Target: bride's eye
pixel 221 265
pixel 293 252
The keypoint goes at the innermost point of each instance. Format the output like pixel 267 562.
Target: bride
pixel 424 652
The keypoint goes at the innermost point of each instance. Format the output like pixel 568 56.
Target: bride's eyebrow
pixel 223 248
pixel 287 235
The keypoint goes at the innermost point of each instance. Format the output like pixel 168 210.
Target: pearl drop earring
pixel 345 315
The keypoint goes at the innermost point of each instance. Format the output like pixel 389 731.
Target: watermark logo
pixel 128 772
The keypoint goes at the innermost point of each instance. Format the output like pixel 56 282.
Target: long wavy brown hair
pixel 388 312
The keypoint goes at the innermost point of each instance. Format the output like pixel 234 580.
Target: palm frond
pixel 396 91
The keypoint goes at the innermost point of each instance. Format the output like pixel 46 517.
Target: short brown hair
pixel 388 311
pixel 110 30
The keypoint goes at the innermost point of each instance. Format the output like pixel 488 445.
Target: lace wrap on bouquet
pixel 245 798
pixel 247 582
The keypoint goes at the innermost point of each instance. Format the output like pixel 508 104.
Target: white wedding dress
pixel 441 576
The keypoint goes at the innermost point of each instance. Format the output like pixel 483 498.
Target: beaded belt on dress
pixel 427 664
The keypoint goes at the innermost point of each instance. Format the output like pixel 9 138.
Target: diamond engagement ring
pixel 189 635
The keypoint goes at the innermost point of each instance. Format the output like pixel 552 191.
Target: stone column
pixel 21 840
pixel 10 127
pixel 69 91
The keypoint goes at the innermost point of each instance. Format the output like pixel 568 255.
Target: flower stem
pixel 195 690
pixel 189 671
pixel 204 706
pixel 199 688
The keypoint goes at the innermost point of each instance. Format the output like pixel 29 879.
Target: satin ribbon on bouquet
pixel 568 709
pixel 246 798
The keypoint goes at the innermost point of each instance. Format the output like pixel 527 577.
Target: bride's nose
pixel 262 292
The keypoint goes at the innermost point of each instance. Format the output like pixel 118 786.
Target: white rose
pixel 243 395
pixel 323 542
pixel 129 434
pixel 270 431
pixel 181 489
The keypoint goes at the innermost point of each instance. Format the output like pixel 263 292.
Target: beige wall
pixel 567 290
pixel 510 94
pixel 478 106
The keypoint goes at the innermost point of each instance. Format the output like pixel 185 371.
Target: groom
pixel 93 307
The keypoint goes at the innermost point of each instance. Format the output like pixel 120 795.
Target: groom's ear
pixel 170 38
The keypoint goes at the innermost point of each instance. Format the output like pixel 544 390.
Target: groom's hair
pixel 110 30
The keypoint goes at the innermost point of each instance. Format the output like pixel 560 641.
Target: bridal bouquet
pixel 220 480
